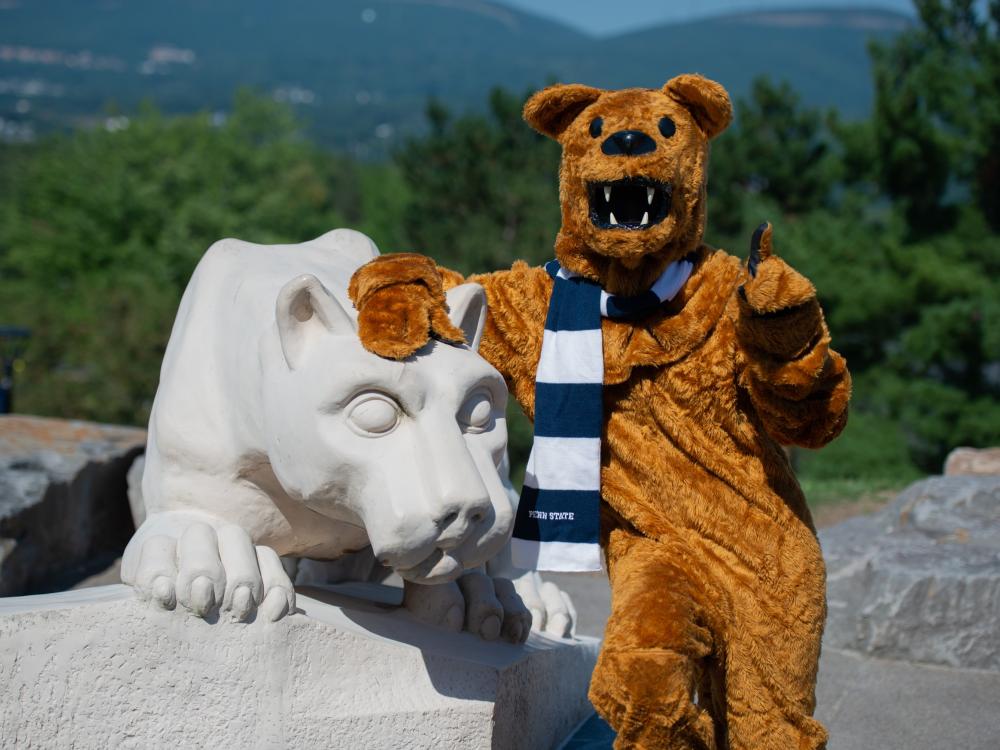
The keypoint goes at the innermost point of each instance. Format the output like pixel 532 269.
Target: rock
pixel 99 668
pixel 920 580
pixel 63 507
pixel 977 461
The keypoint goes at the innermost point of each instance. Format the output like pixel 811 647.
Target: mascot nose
pixel 628 143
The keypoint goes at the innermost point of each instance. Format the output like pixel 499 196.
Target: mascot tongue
pixel 558 518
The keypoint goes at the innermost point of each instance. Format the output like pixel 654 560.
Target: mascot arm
pixel 517 301
pixel 799 386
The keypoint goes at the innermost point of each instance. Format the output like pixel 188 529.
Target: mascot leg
pixel 772 657
pixel 653 658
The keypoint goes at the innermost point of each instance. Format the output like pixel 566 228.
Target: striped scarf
pixel 558 522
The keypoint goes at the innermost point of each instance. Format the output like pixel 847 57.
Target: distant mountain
pixel 361 71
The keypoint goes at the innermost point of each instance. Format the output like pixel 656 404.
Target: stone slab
pixel 591 596
pixel 98 668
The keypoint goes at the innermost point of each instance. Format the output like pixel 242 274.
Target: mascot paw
pixel 207 571
pixel 645 696
pixel 779 313
pixel 401 303
pixel 488 607
pixel 772 285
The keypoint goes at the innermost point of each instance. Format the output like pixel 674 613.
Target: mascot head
pixel 633 174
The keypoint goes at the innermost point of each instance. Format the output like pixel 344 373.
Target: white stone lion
pixel 274 433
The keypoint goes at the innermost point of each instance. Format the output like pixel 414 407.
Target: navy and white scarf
pixel 558 521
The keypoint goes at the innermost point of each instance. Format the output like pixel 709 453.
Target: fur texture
pixel 401 303
pixel 718 584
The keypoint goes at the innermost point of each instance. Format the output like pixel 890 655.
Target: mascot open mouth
pixel 631 203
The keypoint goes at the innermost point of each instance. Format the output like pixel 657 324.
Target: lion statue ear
pixel 305 310
pixel 706 100
pixel 551 110
pixel 467 311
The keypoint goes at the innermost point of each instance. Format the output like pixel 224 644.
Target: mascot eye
pixel 373 414
pixel 595 127
pixel 476 413
pixel 667 127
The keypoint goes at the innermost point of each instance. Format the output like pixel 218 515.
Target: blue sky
pixel 603 17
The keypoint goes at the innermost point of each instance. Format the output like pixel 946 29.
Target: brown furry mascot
pixel 716 575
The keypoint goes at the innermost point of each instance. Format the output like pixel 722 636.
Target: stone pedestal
pixel 98 668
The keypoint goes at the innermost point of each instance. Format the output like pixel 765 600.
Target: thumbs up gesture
pixel 779 313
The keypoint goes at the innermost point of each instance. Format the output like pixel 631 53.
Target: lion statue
pixel 274 434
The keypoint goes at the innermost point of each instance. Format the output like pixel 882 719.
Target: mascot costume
pixel 663 377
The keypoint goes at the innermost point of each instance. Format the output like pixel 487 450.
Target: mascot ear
pixel 304 310
pixel 551 110
pixel 706 100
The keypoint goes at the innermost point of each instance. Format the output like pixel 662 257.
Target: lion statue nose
pixel 458 520
pixel 628 143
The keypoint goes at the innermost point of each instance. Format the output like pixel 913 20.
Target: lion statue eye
pixel 373 414
pixel 476 413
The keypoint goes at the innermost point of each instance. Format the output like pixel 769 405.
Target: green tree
pixel 777 149
pixel 897 225
pixel 895 218
pixel 937 114
pixel 914 321
pixel 785 147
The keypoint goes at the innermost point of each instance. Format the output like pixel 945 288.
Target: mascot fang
pixel 663 377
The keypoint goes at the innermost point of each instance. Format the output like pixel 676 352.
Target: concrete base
pixel 98 668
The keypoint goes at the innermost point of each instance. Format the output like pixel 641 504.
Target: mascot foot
pixel 488 607
pixel 647 698
pixel 204 570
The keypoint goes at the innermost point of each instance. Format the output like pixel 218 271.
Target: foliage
pixel 937 113
pixel 778 149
